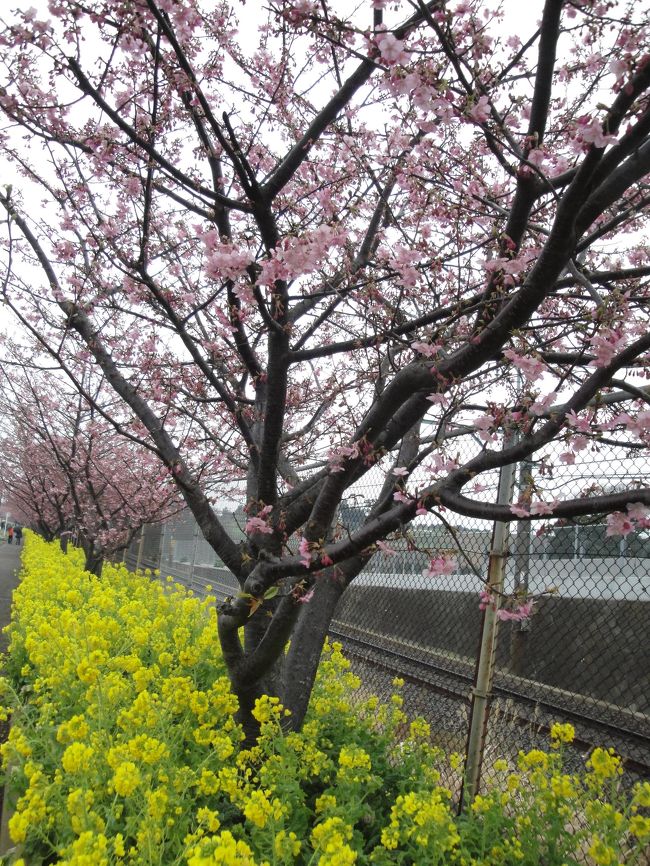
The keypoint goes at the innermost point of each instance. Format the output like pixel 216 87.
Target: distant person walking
pixel 19 535
pixel 10 535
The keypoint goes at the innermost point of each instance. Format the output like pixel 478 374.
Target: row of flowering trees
pixel 311 254
pixel 66 470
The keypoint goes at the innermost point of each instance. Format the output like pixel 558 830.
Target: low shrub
pixel 124 750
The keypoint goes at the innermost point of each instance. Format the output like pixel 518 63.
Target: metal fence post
pixel 194 550
pixel 485 665
pixel 140 548
pixel 162 548
pixel 521 555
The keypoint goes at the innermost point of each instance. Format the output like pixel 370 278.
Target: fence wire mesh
pixel 582 656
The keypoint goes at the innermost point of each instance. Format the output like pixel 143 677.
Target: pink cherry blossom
pixel 439 565
pixel 486 599
pixel 580 423
pixel 441 463
pixel 305 552
pixel 392 50
pixel 618 67
pixel 532 368
pixel 427 349
pixel 256 524
pixel 485 425
pixel 385 548
pixel 591 131
pixel 481 111
pixel 639 513
pixel 227 264
pixel 606 343
pixel 521 612
pixel 537 156
pixel 542 404
pixel 307 597
pixel 444 109
pixel 542 507
pixel 619 523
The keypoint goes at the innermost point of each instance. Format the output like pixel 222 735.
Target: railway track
pixel 523 709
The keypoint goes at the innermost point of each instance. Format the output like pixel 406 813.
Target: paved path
pixel 9 566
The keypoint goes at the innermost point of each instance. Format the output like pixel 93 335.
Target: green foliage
pixel 124 750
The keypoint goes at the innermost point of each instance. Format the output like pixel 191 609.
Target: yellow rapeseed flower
pixel 126 779
pixel 604 764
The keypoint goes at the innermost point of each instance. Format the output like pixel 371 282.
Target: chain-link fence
pixel 582 656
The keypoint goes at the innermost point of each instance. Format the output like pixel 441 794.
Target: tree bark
pixel 306 647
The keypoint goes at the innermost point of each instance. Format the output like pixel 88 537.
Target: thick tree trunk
pixel 94 558
pixel 94 563
pixel 305 649
pixel 254 631
pixel 247 695
pixel 64 540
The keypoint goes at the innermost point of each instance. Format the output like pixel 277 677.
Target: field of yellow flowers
pixel 123 749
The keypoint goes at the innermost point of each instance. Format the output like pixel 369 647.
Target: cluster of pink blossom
pixel 442 564
pixel 486 425
pixel 532 509
pixel 638 425
pixel 510 267
pixel 259 522
pixel 518 613
pixel 426 97
pixel 580 423
pixel 537 156
pixel 590 131
pixel 300 255
pixel 336 456
pixel 256 524
pixel 637 516
pixel 480 111
pixel 224 261
pixel 429 350
pixel 531 368
pixel 542 403
pixel 298 10
pixel 440 462
pixel 521 612
pixel 304 597
pixel 605 344
pixel 403 496
pixel 403 261
pixel 304 549
pixel 392 49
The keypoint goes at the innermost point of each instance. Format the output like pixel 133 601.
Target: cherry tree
pixel 321 253
pixel 71 472
pixel 41 500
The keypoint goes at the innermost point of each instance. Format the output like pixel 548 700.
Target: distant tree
pixel 291 254
pixel 71 472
